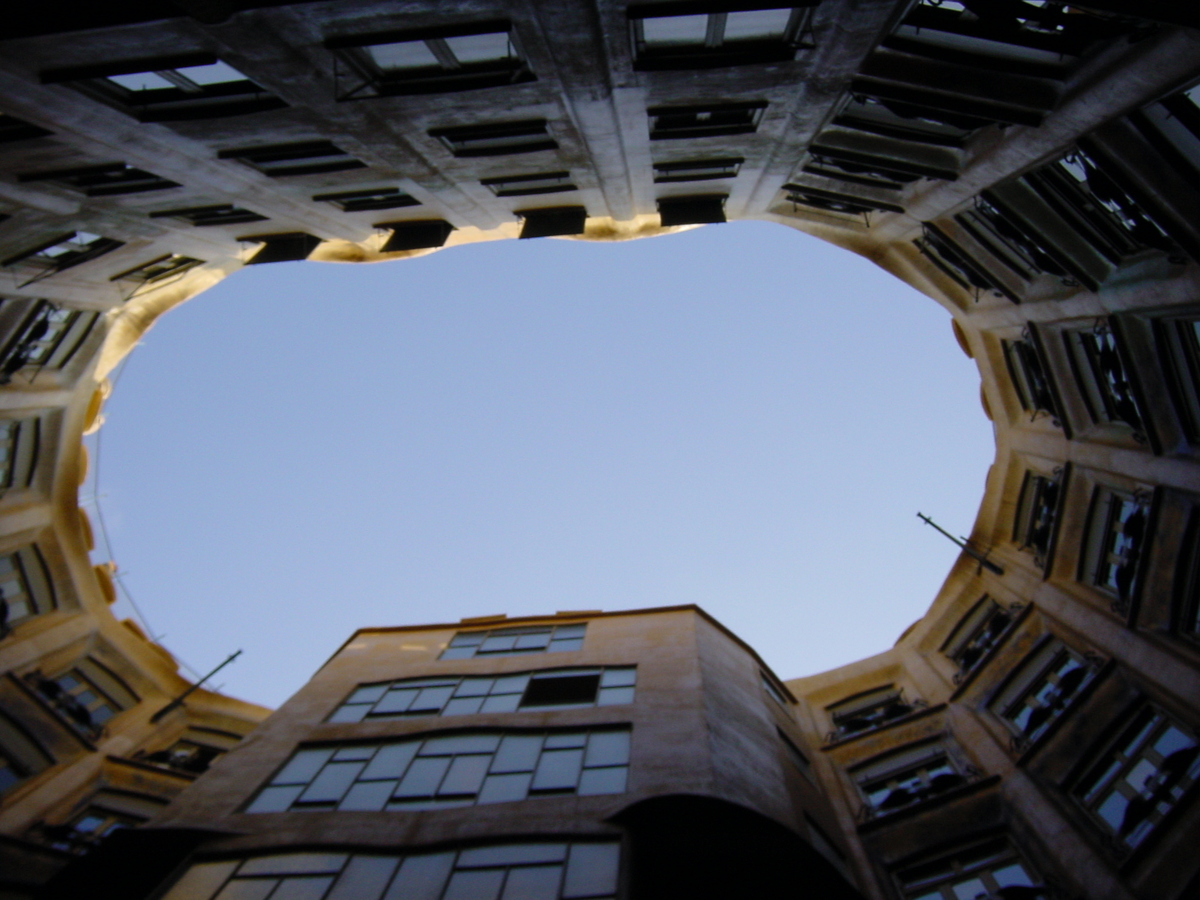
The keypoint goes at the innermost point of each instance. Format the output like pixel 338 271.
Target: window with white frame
pixel 906 777
pixel 438 60
pixel 1041 690
pixel 465 695
pixel 165 89
pixel 983 869
pixel 546 870
pixel 1114 542
pixel 1037 515
pixel 679 36
pixel 510 641
pixel 1102 376
pixel 1140 777
pixel 449 770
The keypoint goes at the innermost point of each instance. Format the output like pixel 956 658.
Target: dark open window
pixel 1029 376
pixel 561 690
pixel 959 265
pixel 14 129
pixel 25 587
pixel 373 198
pixel 291 246
pixel 166 89
pixel 497 138
pixel 699 209
pixel 218 214
pixel 1103 378
pixel 417 235
pixel 833 201
pixel 696 169
pixel 46 339
pixel 905 121
pixel 1037 515
pixel 104 180
pixel 1186 591
pixel 712 120
pixel 1013 242
pixel 528 185
pixel 62 252
pixel 159 269
pixel 713 35
pixel 988 868
pixel 432 60
pixel 979 631
pixel 303 158
pixel 553 221
pixel 1115 543
pixel 870 169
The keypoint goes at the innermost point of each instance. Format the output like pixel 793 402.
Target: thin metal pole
pixel 178 701
pixel 966 547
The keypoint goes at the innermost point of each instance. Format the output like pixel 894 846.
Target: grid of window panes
pixel 981 871
pixel 538 871
pixel 979 631
pixel 1108 390
pixel 1114 543
pixel 509 641
pixel 466 695
pixel 449 770
pixel 16 599
pixel 1043 689
pixel 1141 777
pixel 868 710
pixel 906 778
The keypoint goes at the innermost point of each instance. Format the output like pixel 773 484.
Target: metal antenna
pixel 178 701
pixel 981 558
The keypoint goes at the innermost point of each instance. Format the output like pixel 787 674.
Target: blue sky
pixel 739 416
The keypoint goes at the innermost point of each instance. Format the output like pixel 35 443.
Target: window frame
pixel 977 635
pixel 299 157
pixel 929 765
pixel 715 50
pixel 1035 684
pixel 534 184
pixel 1039 514
pixel 364 199
pixel 888 700
pixel 466 638
pixel 490 139
pixel 985 857
pixel 103 179
pixel 1031 377
pixel 1177 338
pixel 1104 523
pixel 48 338
pixel 205 216
pixel 1105 379
pixel 161 268
pixel 73 253
pixel 751 112
pixel 27 567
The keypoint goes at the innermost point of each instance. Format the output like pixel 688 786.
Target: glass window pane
pixel 533 883
pixel 465 775
pixel 532 641
pixel 368 694
pixel 511 855
pixel 431 699
pixel 969 890
pixel 666 31
pixel 214 73
pixel 498 644
pixel 474 687
pixel 421 877
pixel 505 788
pixel 510 684
pixel 562 741
pixel 350 713
pixel 365 878
pixel 557 770
pixel 625 676
pixel 570 631
pixel 303 767
pixel 391 761
pixel 614 696
pixel 275 799
pixel 468 639
pixel 602 781
pixel 356 754
pixel 477 884
pixel 311 888
pixel 201 881
pixel 591 871
pixel 463 706
pixel 477 48
pixel 517 753
pixel 423 777
pixel 557 646
pixel 757 25
pixel 460 743
pixel 140 81
pixel 294 864
pixel 335 779
pixel 251 889
pixel 396 701
pixel 1171 740
pixel 368 796
pixel 607 748
pixel 501 703
pixel 402 55
pixel 1112 810
pixel 1013 874
pixel 458 653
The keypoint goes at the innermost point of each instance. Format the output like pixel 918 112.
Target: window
pixel 18 454
pixel 670 122
pixel 104 180
pixel 14 129
pixel 982 870
pixel 448 770
pixel 663 38
pixel 904 121
pixel 160 268
pixel 168 89
pixel 773 690
pixel 374 198
pixel 496 139
pixel 1140 777
pixel 466 695
pixel 831 201
pixel 508 641
pixel 1115 541
pixel 63 252
pixel 552 221
pixel 545 870
pixel 107 811
pixel 193 753
pixel 527 185
pixel 1102 376
pixel 696 170
pixel 86 696
pixel 869 169
pixel 904 778
pixel 1037 515
pixel 1029 376
pixel 1173 127
pixel 24 588
pixel 868 710
pixel 980 630
pixel 220 214
pixel 1041 690
pixel 1179 346
pixel 957 264
pixel 1010 241
pixel 303 158
pixel 48 339
pixel 438 60
pixel 20 756
pixel 698 209
pixel 291 246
